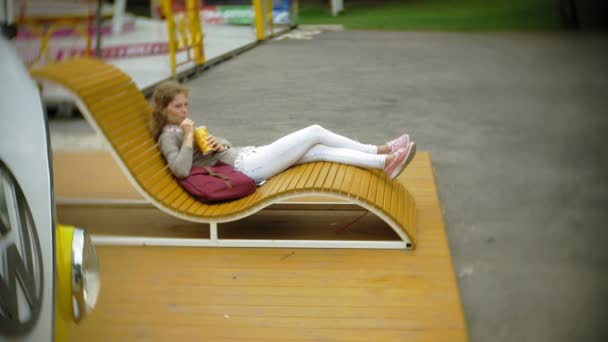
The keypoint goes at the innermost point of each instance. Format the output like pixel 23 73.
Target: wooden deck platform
pixel 249 294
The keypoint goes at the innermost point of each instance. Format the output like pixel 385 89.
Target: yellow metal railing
pixel 185 33
pixel 262 10
pixel 45 28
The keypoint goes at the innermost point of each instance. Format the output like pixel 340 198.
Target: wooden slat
pixel 100 82
pixel 331 176
pixel 134 140
pixel 179 201
pixel 109 96
pixel 294 179
pixel 318 186
pixel 283 178
pixel 94 90
pixel 129 149
pixel 133 162
pixel 216 210
pixel 170 190
pixel 339 178
pixel 145 150
pixel 238 206
pixel 388 192
pixel 373 186
pixel 203 210
pixel 109 99
pixel 173 195
pixel 249 201
pixel 306 172
pixel 116 131
pixel 161 184
pixel 268 189
pixel 112 108
pixel 347 182
pixel 394 200
pixel 379 201
pixel 412 219
pixel 159 192
pixel 78 71
pixel 230 207
pixel 402 206
pixel 153 172
pixel 94 93
pixel 314 174
pixel 114 118
pixel 194 207
pixel 152 152
pixel 145 176
pixel 355 183
pixel 153 161
pixel 186 204
pixel 129 119
pixel 72 70
pixel 364 186
pixel 290 175
pixel 63 69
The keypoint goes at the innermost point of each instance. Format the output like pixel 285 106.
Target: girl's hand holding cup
pixel 215 145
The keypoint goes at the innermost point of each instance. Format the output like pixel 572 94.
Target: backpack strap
pixel 219 175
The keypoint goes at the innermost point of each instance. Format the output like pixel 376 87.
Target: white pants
pixel 313 143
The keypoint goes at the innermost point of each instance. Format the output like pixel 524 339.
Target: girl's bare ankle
pixel 389 159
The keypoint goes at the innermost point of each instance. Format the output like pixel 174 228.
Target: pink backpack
pixel 218 183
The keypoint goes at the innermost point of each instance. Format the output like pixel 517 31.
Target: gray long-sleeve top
pixel 181 158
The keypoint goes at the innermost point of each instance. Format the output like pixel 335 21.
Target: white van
pixel 49 273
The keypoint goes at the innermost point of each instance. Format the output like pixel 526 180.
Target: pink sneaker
pixel 398 143
pixel 403 156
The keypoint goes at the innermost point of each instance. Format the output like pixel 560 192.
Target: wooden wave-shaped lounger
pixel 115 107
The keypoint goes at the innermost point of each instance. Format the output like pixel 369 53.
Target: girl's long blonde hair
pixel 163 94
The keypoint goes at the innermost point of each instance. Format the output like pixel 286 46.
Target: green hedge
pixel 438 15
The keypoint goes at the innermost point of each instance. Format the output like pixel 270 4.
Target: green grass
pixel 438 15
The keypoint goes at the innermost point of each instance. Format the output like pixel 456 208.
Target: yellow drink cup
pixel 201 135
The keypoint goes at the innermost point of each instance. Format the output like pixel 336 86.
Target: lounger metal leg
pixel 213 232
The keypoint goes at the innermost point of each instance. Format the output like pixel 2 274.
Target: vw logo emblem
pixel 21 268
